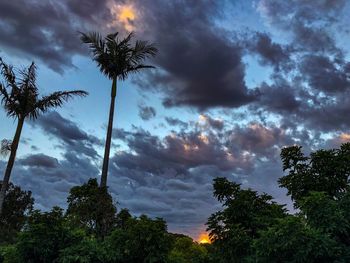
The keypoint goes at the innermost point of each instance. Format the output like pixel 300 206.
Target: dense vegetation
pixel 251 227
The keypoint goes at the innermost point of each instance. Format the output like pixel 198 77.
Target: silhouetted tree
pixel 117 59
pixel 44 236
pixel 20 98
pixel 233 229
pixel 252 228
pixel 323 171
pixel 17 205
pixel 293 240
pixel 185 250
pixel 141 240
pixel 92 207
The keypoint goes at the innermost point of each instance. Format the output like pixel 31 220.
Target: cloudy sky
pixel 235 81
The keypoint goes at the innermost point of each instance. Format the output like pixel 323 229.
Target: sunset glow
pixel 204 239
pixel 124 15
pixel 345 137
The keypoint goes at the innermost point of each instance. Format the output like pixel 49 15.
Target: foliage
pixel 91 207
pixel 233 229
pixel 185 250
pixel 17 205
pixel 5 147
pixel 142 240
pixel 44 235
pixel 324 171
pixel 292 240
pixel 252 228
pixel 87 250
pixel 117 58
pixel 20 95
pixel 9 254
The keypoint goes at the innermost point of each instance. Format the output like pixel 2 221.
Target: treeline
pixel 251 227
pixel 90 230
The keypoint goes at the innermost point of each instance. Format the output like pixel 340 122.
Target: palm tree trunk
pixel 10 162
pixel 109 136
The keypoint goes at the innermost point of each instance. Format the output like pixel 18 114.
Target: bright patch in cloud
pixel 124 15
pixel 345 137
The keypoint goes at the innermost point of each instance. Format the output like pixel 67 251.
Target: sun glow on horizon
pixel 204 238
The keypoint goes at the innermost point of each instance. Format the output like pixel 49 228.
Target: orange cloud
pixel 124 15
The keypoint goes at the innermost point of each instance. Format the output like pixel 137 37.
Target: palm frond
pixel 117 58
pixel 8 74
pixel 28 78
pixel 95 42
pixel 5 147
pixel 142 50
pixel 54 100
pixel 134 69
pixel 126 41
pixel 4 94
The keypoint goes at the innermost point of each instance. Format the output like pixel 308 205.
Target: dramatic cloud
pixel 193 73
pixel 39 160
pixel 270 53
pixel 322 74
pixel 48 30
pixel 173 175
pixel 209 122
pixel 176 122
pixel 69 133
pixel 146 112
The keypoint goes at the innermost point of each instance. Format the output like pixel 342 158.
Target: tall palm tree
pixel 20 98
pixel 116 59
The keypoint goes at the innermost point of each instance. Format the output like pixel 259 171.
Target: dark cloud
pixel 270 53
pixel 280 13
pixel 176 122
pixel 192 71
pixel 317 86
pixel 260 140
pixel 172 175
pixel 146 112
pixel 176 153
pixel 325 75
pixel 69 133
pixel 39 29
pixel 50 179
pixel 39 160
pixel 279 97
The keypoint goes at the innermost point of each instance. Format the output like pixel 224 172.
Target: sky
pixel 235 81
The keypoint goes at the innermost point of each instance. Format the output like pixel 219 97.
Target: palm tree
pixel 116 58
pixel 20 98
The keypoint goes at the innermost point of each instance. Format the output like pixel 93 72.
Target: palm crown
pixel 20 97
pixel 117 58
